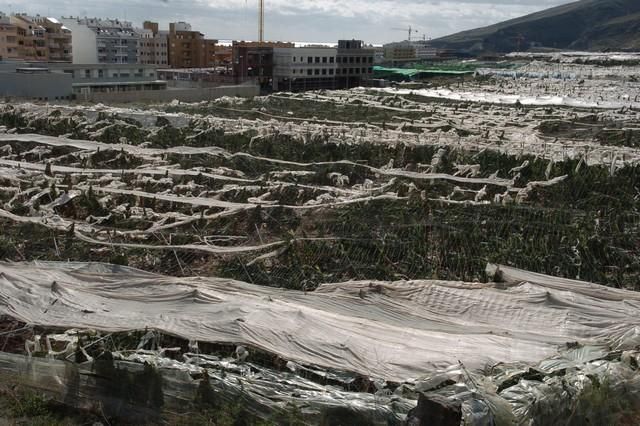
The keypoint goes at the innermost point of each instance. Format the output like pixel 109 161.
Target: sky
pixel 300 20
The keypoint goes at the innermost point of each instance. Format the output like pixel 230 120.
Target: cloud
pixel 300 20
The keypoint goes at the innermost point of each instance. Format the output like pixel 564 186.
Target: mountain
pixel 583 25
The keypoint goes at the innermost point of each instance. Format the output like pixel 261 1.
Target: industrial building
pixel 34 82
pixel 102 41
pixel 55 81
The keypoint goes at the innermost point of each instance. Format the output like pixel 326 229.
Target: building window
pixel 309 60
pixel 331 72
pixel 331 59
pixel 294 59
pixel 317 59
pixel 358 60
pixel 324 71
pixel 350 59
pixel 100 73
pixel 324 59
pixel 370 59
pixel 309 72
pixel 87 73
pixel 316 71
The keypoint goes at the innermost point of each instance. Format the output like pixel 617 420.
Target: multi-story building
pixel 8 38
pixel 355 63
pixel 102 41
pixel 400 52
pixel 424 50
pixel 59 39
pixel 188 48
pixel 304 68
pixel 153 45
pixel 32 39
pixel 255 61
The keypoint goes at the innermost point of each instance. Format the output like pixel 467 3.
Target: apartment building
pixel 153 45
pixel 102 41
pixel 355 63
pixel 8 38
pixel 304 68
pixel 59 39
pixel 27 38
pixel 188 48
pixel 31 38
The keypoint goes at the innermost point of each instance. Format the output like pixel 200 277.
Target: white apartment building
pixel 102 41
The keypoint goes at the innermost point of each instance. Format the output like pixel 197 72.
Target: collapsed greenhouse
pixel 342 257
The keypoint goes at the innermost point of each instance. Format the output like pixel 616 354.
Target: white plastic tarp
pixel 390 330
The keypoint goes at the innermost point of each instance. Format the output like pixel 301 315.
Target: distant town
pixel 92 58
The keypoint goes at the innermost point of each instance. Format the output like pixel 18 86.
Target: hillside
pixel 583 25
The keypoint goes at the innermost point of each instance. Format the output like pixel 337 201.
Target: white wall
pixel 83 42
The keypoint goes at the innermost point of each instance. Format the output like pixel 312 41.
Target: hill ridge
pixel 582 25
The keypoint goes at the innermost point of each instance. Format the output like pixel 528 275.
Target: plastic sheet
pixel 394 331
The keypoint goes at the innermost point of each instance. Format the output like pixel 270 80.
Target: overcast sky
pixel 298 20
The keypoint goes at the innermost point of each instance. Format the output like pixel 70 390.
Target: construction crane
pixel 261 23
pixel 409 30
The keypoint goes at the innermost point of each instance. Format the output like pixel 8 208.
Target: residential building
pixel 102 41
pixel 59 39
pixel 153 45
pixel 304 68
pixel 8 38
pixel 32 39
pixel 355 63
pixel 188 48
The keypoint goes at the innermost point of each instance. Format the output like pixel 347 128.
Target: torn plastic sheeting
pixel 263 390
pixel 601 391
